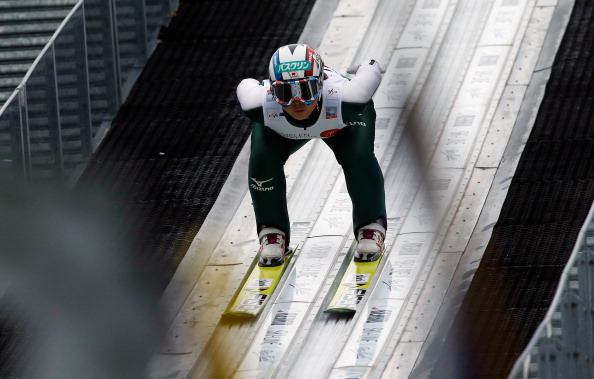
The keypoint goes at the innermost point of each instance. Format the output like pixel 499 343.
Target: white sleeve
pixel 249 94
pixel 361 88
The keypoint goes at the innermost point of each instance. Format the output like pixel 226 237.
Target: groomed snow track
pixel 463 81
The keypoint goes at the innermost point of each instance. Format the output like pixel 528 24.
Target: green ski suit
pixel 353 146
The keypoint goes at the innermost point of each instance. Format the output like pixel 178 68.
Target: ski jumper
pixel 346 123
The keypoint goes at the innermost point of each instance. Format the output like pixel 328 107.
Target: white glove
pixel 353 69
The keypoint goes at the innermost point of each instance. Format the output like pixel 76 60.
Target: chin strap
pixel 319 105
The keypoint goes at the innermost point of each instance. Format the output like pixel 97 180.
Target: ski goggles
pixel 305 90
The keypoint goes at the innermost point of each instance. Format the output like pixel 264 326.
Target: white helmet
pixel 296 74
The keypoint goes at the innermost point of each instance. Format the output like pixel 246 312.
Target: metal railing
pixel 50 124
pixel 563 345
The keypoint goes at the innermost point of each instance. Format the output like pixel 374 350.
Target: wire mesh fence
pixel 53 120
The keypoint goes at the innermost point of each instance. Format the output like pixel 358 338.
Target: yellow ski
pixel 255 291
pixel 353 286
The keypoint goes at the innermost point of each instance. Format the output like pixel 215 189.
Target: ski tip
pixel 238 315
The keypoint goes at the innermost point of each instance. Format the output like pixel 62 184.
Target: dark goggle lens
pixel 305 90
pixel 285 93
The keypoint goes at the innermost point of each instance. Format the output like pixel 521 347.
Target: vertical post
pixel 549 362
pixel 12 167
pixel 83 84
pixel 586 284
pixel 103 60
pixel 24 134
pixel 132 37
pixel 173 5
pixel 141 30
pixel 572 330
pixel 113 20
pixel 53 117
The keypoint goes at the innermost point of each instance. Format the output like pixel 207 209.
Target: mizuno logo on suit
pixel 259 183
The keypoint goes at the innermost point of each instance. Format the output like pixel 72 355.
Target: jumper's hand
pixel 353 69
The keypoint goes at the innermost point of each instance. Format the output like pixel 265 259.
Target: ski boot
pixel 370 243
pixel 272 247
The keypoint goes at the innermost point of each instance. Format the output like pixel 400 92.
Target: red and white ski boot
pixel 370 243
